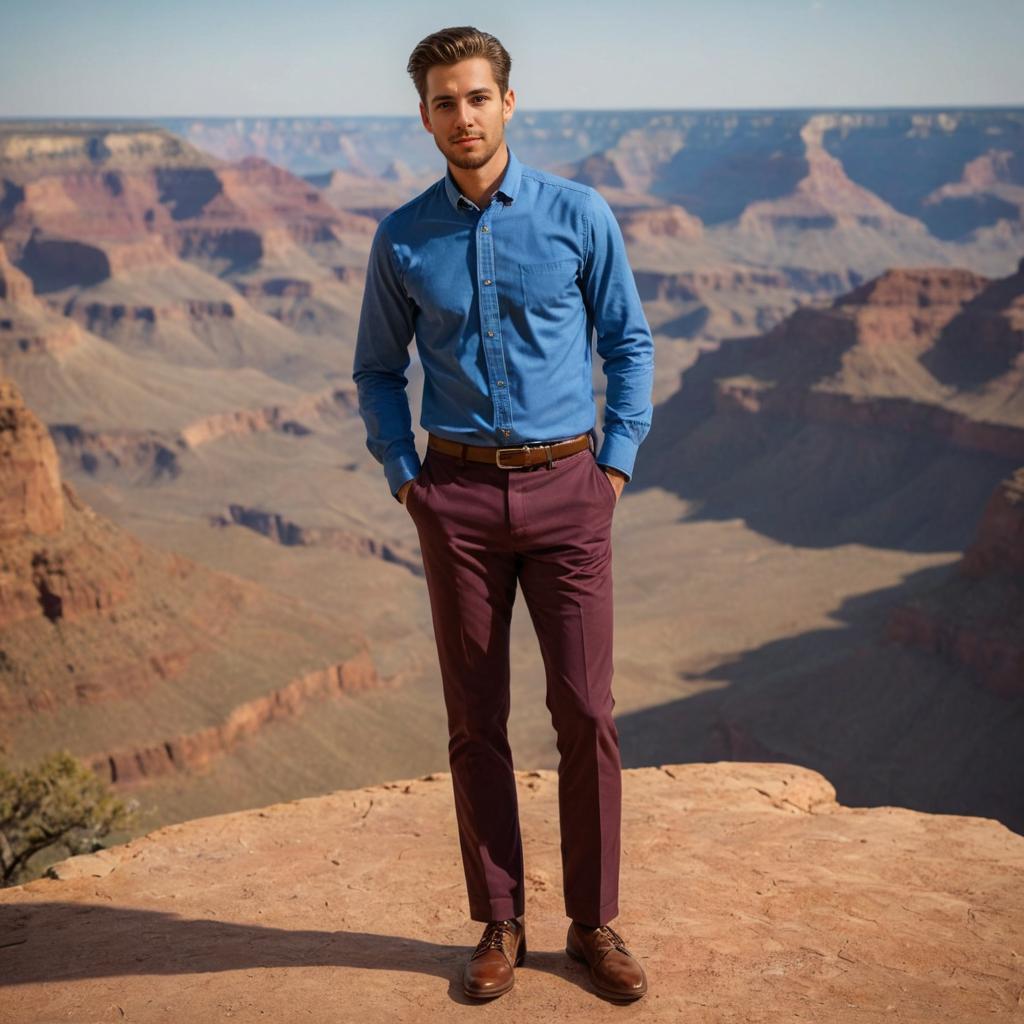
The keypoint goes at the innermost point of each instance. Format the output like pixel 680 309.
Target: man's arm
pixel 624 339
pixel 386 326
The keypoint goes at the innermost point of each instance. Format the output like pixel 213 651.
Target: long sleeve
pixel 624 339
pixel 386 327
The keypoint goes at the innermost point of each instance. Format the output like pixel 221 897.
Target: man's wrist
pixel 398 471
pixel 618 452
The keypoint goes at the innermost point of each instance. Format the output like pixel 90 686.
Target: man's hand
pixel 618 479
pixel 404 490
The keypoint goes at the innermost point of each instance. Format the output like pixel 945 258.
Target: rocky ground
pixel 748 892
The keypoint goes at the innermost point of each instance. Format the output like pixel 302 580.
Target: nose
pixel 464 116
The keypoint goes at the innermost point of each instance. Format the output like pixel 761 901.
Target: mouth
pixel 467 141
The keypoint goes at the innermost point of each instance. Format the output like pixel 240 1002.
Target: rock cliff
pixel 30 493
pixel 866 409
pixel 976 619
pixel 114 648
pixel 748 892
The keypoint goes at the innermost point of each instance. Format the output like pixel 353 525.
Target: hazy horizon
pixel 85 118
pixel 257 59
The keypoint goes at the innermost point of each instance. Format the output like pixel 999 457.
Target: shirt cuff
pixel 397 471
pixel 618 452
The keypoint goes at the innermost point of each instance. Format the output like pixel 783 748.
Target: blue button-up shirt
pixel 503 303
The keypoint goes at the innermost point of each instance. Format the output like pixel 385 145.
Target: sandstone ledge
pixel 748 892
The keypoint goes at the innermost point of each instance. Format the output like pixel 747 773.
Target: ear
pixel 509 105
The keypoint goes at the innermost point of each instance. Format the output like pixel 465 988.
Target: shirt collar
pixel 507 190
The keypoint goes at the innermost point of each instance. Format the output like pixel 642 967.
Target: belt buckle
pixel 514 448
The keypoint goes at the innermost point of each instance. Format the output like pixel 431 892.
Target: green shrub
pixel 57 803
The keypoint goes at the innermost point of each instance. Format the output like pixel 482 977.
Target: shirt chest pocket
pixel 549 287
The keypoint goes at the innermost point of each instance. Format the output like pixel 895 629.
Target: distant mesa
pixel 370 195
pixel 880 356
pixel 824 197
pixel 990 191
pixel 86 205
pixel 864 408
pixel 865 177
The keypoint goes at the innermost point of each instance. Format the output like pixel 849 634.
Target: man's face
pixel 463 103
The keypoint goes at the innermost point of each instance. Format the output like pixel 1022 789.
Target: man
pixel 503 273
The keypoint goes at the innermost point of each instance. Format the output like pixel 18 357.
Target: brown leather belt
pixel 516 457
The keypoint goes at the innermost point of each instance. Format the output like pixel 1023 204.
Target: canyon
pixel 208 595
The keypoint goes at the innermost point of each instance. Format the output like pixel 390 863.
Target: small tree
pixel 59 802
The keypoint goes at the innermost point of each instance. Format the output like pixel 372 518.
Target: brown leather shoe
pixel 614 971
pixel 502 948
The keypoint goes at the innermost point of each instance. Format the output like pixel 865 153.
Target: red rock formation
pixel 639 225
pixel 825 198
pixel 884 356
pixel 995 662
pixel 62 561
pixel 999 546
pixel 130 619
pixel 30 495
pixel 15 287
pixel 896 414
pixel 196 749
pixel 275 527
pixel 104 317
pixel 986 204
pixel 917 288
pixel 690 285
pixel 996 167
pixel 373 195
pixel 275 417
pixel 91 203
pixel 722 302
pixel 977 621
pixel 60 260
pixel 159 451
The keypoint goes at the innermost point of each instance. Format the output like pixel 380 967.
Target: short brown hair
pixel 450 45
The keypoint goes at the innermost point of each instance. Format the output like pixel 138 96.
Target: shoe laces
pixel 494 934
pixel 613 936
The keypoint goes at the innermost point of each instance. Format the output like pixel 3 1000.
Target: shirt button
pixel 490 334
pixel 506 432
pixel 487 280
pixel 501 383
pixel 485 228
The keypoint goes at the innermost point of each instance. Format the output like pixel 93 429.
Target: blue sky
pixel 304 57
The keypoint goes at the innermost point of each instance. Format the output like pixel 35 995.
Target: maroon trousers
pixel 482 530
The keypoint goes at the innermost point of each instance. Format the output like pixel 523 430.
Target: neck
pixel 480 183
